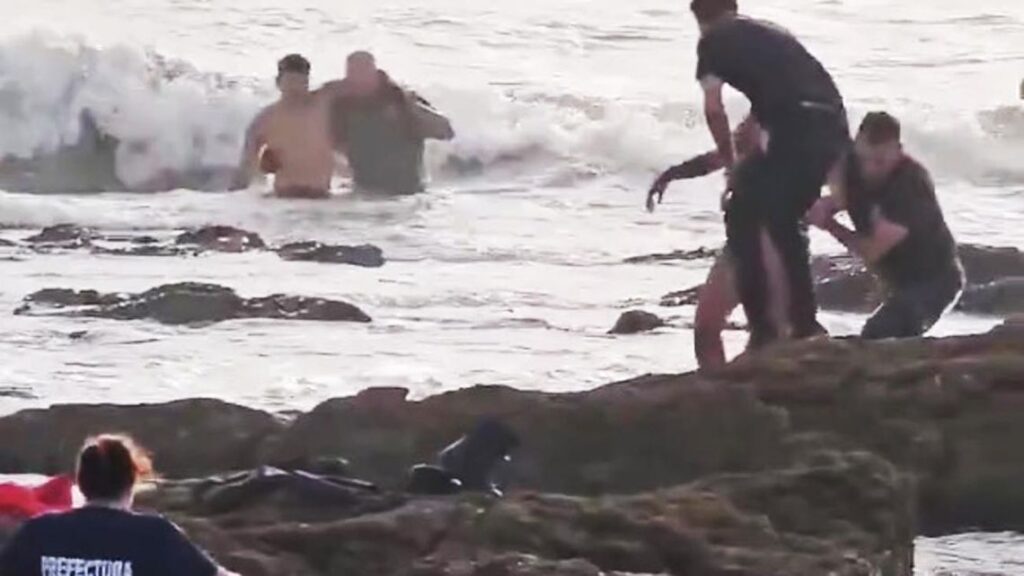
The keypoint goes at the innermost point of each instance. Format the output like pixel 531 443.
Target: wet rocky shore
pixel 821 458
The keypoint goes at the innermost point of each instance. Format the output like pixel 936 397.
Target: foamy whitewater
pixel 508 274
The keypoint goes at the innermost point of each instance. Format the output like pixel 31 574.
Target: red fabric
pixel 26 502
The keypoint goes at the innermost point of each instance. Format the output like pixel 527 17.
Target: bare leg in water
pixel 718 299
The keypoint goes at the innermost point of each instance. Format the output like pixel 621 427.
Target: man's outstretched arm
pixel 885 235
pixel 430 122
pixel 695 167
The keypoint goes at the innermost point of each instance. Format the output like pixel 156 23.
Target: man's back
pixel 102 541
pixel 768 65
pixel 382 141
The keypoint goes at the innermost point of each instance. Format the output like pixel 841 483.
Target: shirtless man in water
pixel 291 137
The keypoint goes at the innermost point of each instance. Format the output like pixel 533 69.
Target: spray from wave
pixel 156 116
pixel 164 114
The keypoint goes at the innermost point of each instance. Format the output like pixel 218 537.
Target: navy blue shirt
pixel 769 66
pixel 96 541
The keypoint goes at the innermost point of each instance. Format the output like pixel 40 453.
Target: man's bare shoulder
pixel 264 115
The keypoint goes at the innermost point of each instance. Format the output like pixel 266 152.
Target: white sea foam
pixel 166 114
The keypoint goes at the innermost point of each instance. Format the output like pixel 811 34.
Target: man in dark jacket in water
pixel 381 128
pixel 900 231
pixel 793 97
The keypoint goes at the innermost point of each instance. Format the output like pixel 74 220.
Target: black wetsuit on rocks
pixel 797 103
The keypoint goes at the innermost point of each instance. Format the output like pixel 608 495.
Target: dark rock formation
pixel 222 239
pixel 778 523
pixel 90 165
pixel 760 469
pixel 67 236
pixel 214 238
pixel 999 297
pixel 65 297
pixel 701 253
pixel 984 264
pixel 994 277
pixel 843 283
pixel 365 255
pixel 635 322
pixel 187 303
pixel 943 409
pixel 573 443
pixel 187 438
pixel 947 410
pixel 191 243
pixel 83 167
pixel 284 307
pixel 688 297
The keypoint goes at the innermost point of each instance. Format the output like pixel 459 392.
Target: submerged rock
pixel 222 239
pixel 688 297
pixel 366 255
pixel 151 250
pixel 63 236
pixel 843 283
pixel 701 253
pixel 999 297
pixel 188 303
pixel 635 322
pixel 65 297
pixel 285 307
pixel 984 264
pixel 90 165
pixel 214 238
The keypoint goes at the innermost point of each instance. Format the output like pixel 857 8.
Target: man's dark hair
pixel 711 10
pixel 879 128
pixel 293 63
pixel 109 466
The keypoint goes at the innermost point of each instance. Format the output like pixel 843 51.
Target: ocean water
pixel 508 274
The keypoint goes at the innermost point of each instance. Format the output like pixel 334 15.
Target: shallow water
pixel 507 275
pixel 982 554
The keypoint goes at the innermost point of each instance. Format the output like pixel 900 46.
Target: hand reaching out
pixel 657 191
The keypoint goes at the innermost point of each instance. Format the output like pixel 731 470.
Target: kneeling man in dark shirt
pixel 899 230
